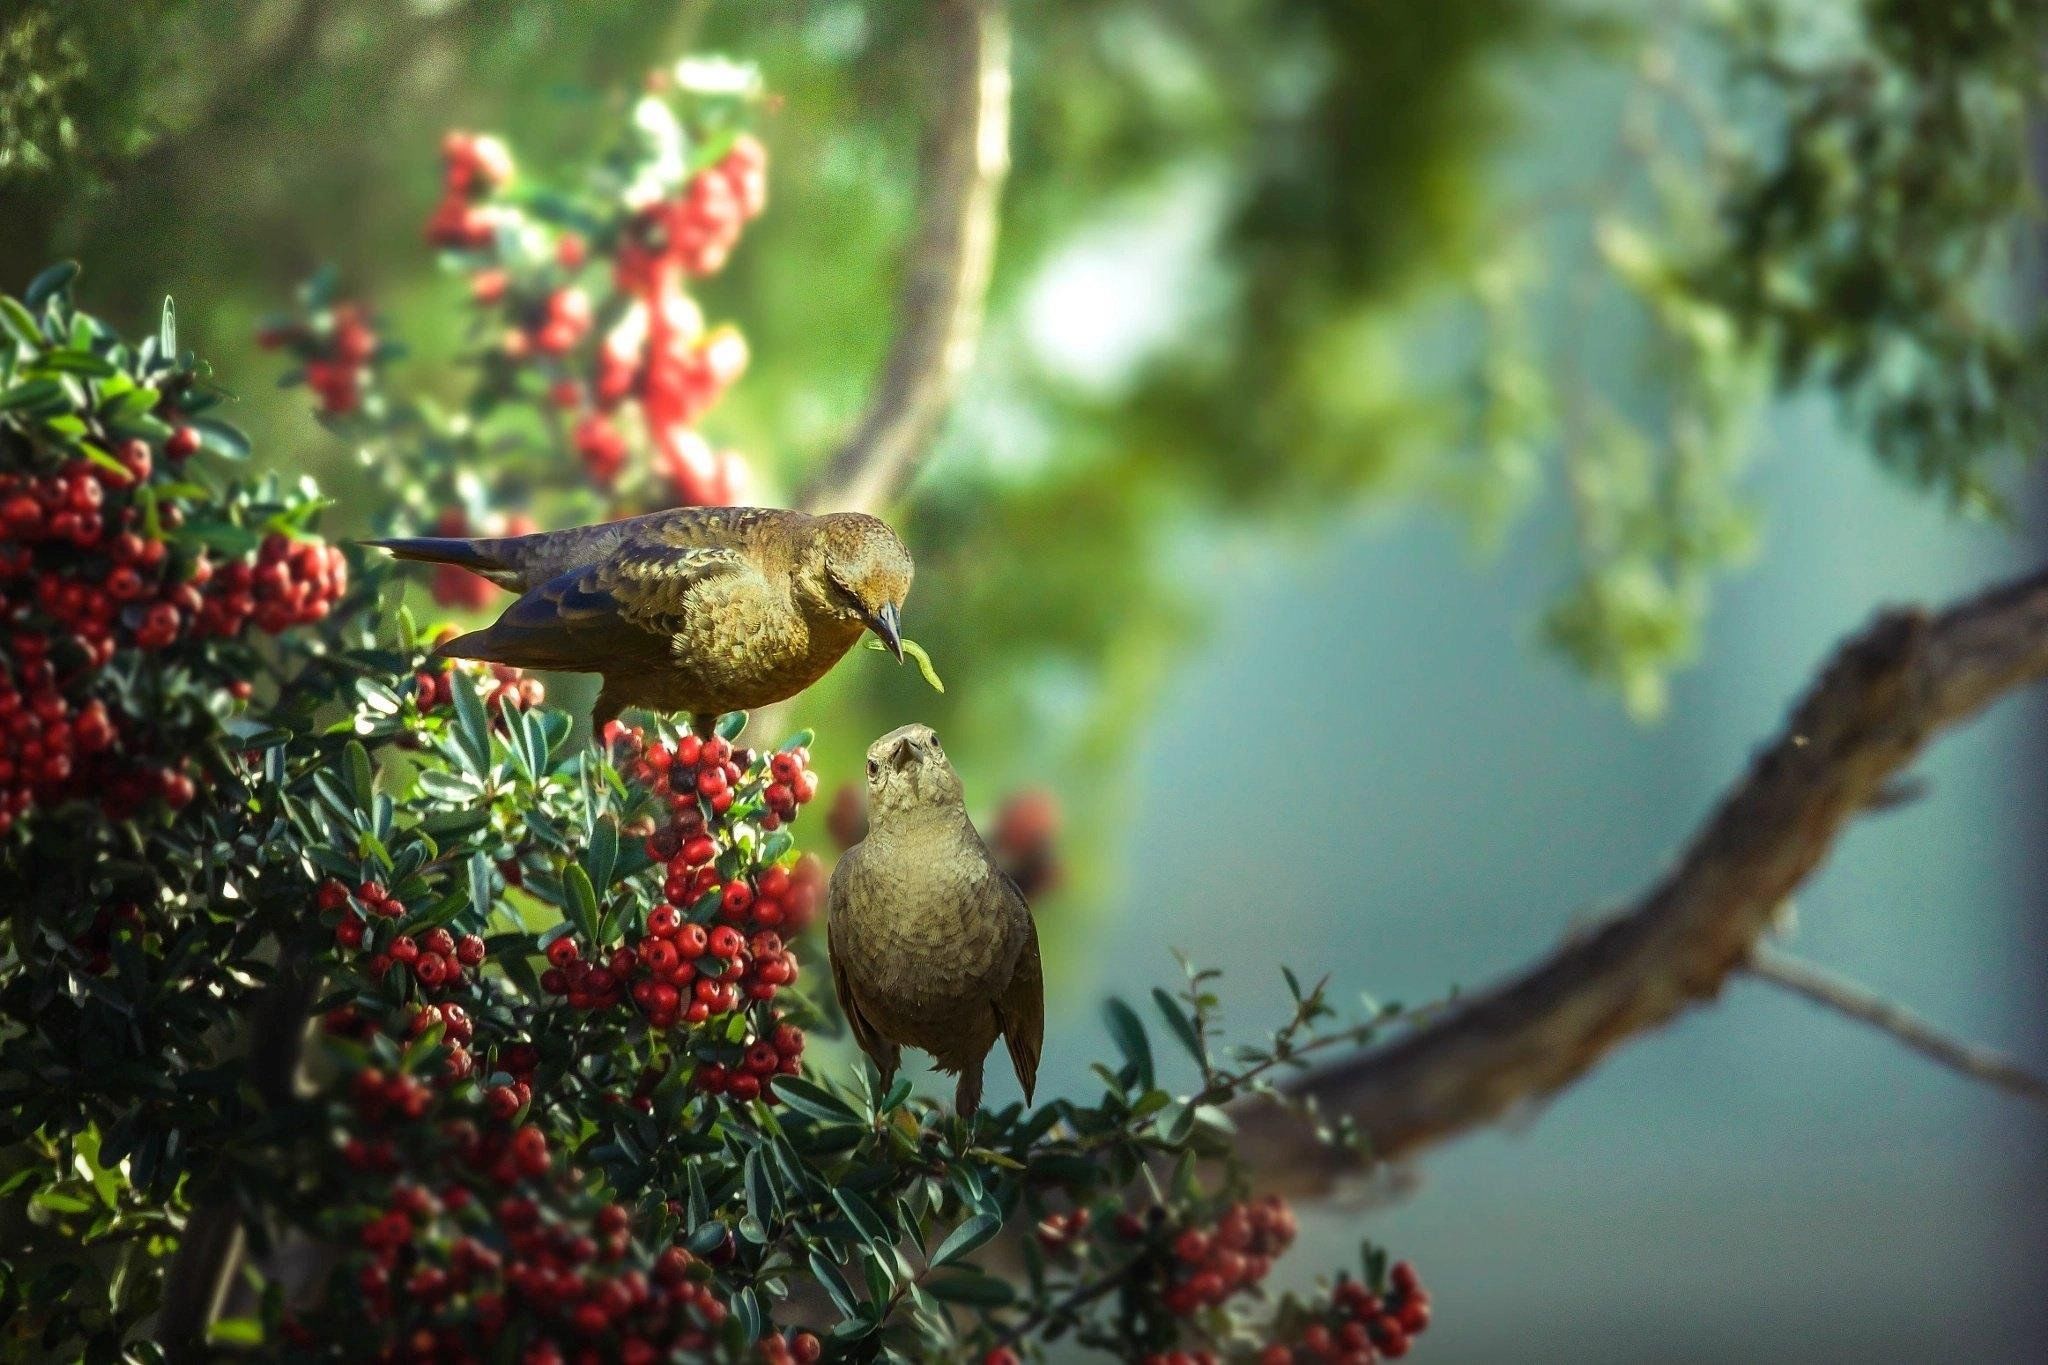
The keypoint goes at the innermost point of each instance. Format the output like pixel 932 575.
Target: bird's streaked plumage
pixel 932 946
pixel 701 609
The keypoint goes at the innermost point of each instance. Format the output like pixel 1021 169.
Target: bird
pixel 702 610
pixel 932 946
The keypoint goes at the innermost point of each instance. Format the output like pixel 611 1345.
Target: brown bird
pixel 932 946
pixel 699 609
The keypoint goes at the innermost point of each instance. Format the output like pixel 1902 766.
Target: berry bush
pixel 493 1040
pixel 585 340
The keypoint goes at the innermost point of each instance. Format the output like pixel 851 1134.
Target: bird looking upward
pixel 932 946
pixel 702 610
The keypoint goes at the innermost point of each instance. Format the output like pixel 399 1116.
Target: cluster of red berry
pixel 338 349
pixel 654 349
pixel 84 574
pixel 1360 1327
pixel 473 169
pixel 451 1278
pixel 433 687
pixel 792 1348
pixel 436 959
pixel 1233 1256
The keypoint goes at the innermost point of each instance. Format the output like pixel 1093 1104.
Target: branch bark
pixel 1876 705
pixel 947 270
pixel 211 1245
pixel 1865 1006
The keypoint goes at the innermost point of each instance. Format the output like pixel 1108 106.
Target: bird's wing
pixel 864 1033
pixel 594 612
pixel 1022 1007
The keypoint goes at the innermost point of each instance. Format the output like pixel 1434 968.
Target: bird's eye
pixel 874 768
pixel 935 743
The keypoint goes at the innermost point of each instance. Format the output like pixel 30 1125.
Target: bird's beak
pixel 885 624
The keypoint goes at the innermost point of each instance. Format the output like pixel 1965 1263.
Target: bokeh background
pixel 1415 452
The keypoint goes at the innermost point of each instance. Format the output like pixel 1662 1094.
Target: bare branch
pixel 1885 694
pixel 947 269
pixel 1845 997
pixel 199 1276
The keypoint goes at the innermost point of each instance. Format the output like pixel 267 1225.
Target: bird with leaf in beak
pixel 701 610
pixel 932 946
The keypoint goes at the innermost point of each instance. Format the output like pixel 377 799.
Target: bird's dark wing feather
pixel 1022 1007
pixel 596 613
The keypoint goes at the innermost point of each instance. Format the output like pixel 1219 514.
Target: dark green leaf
pixel 835 1284
pixel 49 283
pixel 972 1288
pixel 1129 1032
pixel 1182 1026
pixel 967 1237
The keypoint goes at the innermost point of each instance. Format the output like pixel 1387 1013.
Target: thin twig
pixel 947 269
pixel 1884 696
pixel 1866 1006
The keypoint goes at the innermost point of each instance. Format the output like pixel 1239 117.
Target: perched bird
pixel 699 609
pixel 932 946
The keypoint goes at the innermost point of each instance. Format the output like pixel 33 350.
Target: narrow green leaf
pixel 359 773
pixel 814 1101
pixel 20 323
pixel 1129 1033
pixel 49 283
pixel 1182 1026
pixel 167 331
pixel 835 1284
pixel 480 885
pixel 582 906
pixel 966 1238
pixel 972 1288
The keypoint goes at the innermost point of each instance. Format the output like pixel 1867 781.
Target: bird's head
pixel 907 769
pixel 861 572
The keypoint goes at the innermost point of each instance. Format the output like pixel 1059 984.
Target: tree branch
pixel 199 1275
pixel 947 270
pixel 1866 1006
pixel 1884 695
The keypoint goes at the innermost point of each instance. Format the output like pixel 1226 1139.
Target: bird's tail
pixel 484 558
pixel 477 644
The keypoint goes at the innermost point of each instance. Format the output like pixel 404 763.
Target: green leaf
pixel 972 1288
pixel 480 885
pixel 814 1101
pixel 49 283
pixel 967 1237
pixel 30 394
pixel 858 1211
pixel 220 438
pixel 835 1284
pixel 760 1187
pixel 602 855
pixel 582 906
pixel 473 727
pixel 236 1332
pixel 1182 1026
pixel 20 323
pixel 68 361
pixel 360 775
pixel 167 331
pixel 1129 1032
